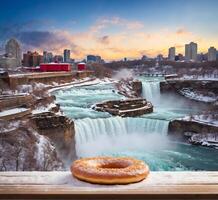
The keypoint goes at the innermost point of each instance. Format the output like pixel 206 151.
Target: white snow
pixel 209 139
pixel 200 77
pixel 43 109
pixel 12 111
pixel 9 127
pixel 205 119
pixel 135 109
pixel 41 147
pixel 78 83
pixel 187 92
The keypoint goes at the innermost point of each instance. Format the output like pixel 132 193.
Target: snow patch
pixel 191 94
pixel 12 111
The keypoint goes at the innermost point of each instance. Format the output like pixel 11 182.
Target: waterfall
pixel 151 90
pixel 94 132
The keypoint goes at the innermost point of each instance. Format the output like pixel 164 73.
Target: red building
pixel 81 66
pixel 51 67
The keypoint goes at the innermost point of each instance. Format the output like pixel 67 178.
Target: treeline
pixel 116 65
pixel 168 67
pixel 206 65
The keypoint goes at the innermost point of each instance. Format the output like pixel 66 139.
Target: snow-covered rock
pixel 209 139
pixel 23 149
pixel 190 93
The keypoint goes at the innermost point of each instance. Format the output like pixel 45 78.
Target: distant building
pixel 7 62
pixel 51 67
pixel 125 59
pixel 94 59
pixel 98 59
pixel 81 66
pixel 191 50
pixel 172 53
pixel 91 58
pixel 144 58
pixel 12 57
pixel 160 57
pixel 202 57
pixel 179 57
pixel 212 54
pixel 47 57
pixel 58 59
pixel 67 56
pixel 32 59
pixel 13 50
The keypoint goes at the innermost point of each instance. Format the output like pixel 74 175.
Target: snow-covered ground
pixel 7 127
pixel 43 109
pixel 205 119
pixel 201 77
pixel 195 95
pixel 209 139
pixel 81 82
pixel 12 111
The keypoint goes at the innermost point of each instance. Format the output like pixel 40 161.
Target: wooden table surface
pixel 61 185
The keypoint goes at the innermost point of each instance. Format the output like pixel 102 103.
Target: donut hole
pixel 115 165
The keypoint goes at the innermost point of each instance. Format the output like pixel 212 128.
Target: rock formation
pixel 60 130
pixel 197 90
pixel 130 88
pixel 24 149
pixel 125 108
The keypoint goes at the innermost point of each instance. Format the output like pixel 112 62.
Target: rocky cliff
pixel 125 108
pixel 24 149
pixel 60 130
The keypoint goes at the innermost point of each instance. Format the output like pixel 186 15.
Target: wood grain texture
pixel 159 185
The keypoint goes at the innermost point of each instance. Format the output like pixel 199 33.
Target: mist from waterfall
pixel 144 137
pixel 116 134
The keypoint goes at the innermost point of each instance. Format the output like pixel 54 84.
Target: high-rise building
pixel 191 51
pixel 32 59
pixel 187 52
pixel 12 57
pixel 13 50
pixel 91 58
pixel 58 59
pixel 67 56
pixel 47 57
pixel 50 57
pixel 212 54
pixel 172 53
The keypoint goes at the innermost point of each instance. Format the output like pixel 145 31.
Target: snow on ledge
pixel 12 111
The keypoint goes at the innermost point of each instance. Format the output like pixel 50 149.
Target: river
pixel 143 137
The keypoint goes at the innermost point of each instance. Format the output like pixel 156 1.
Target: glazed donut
pixel 110 170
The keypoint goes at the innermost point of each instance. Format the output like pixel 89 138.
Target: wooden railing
pixel 61 185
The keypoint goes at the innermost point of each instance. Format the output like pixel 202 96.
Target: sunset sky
pixel 113 29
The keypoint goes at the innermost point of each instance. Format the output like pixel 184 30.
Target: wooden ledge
pixel 61 185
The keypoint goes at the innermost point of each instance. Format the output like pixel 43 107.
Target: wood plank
pixel 62 184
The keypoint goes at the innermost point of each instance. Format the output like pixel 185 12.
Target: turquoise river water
pixel 143 137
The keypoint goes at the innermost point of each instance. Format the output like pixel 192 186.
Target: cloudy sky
pixel 113 29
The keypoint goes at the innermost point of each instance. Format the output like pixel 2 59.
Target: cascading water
pixel 91 131
pixel 143 137
pixel 151 90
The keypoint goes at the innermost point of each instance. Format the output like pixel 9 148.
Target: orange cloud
pixel 130 40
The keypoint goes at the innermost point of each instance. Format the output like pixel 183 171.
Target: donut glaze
pixel 110 170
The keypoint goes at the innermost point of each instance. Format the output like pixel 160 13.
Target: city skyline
pixel 112 29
